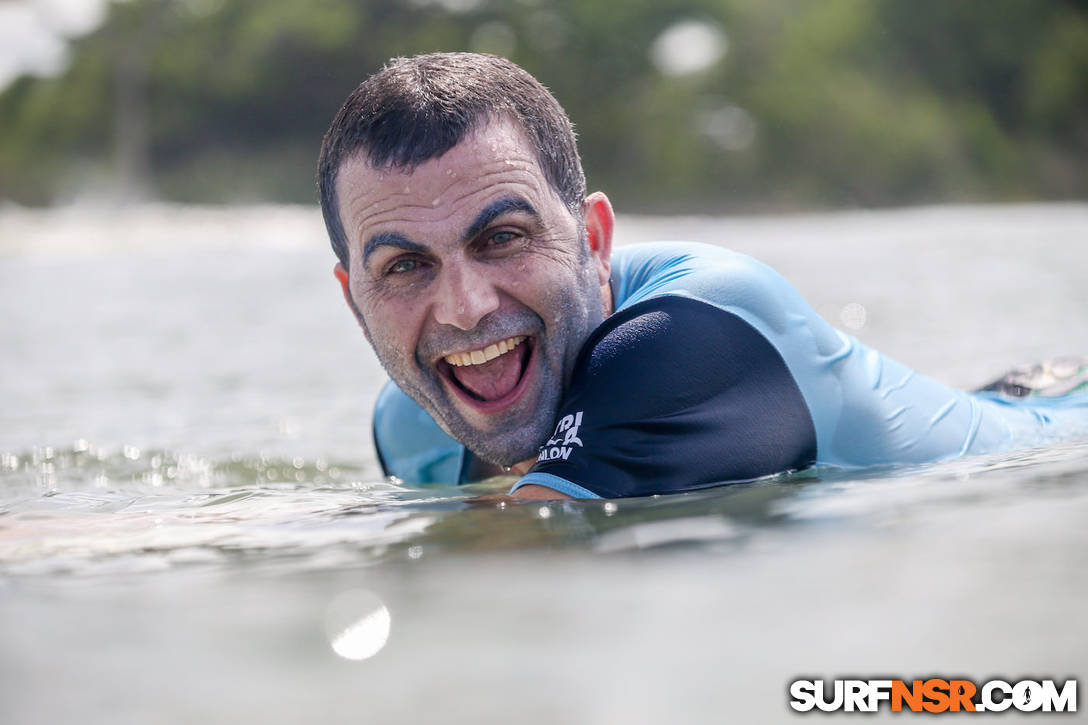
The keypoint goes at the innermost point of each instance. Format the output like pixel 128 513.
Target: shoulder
pixel 671 347
pixel 729 280
pixel 674 394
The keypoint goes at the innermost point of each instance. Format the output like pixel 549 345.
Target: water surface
pixel 193 526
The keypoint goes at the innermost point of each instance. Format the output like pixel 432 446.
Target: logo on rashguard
pixel 562 442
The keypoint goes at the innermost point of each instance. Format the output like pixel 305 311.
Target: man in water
pixel 483 276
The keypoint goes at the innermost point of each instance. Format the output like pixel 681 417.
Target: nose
pixel 465 295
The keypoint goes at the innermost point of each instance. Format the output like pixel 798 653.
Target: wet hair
pixel 416 109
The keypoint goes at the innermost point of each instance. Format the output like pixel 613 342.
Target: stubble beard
pixel 515 435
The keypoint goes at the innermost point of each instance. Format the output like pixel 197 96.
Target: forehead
pixel 495 159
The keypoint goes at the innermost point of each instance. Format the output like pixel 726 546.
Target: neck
pixel 480 469
pixel 520 469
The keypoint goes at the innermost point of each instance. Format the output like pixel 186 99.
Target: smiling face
pixel 475 285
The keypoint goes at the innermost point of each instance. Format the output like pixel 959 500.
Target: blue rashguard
pixel 714 369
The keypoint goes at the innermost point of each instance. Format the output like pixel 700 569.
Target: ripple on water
pixel 95 509
pixel 86 509
pixel 85 466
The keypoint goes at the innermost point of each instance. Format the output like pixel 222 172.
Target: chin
pixel 506 439
pixel 504 449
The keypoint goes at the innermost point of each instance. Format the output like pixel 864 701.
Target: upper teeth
pixel 478 357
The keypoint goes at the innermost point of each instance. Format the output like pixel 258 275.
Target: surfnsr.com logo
pixel 934 695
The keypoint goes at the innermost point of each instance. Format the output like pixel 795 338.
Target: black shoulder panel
pixel 673 394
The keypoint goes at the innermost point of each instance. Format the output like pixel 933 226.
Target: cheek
pixel 563 306
pixel 556 269
pixel 391 327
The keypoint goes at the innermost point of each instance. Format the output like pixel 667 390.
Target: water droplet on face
pixel 610 508
pixel 544 512
pixel 415 552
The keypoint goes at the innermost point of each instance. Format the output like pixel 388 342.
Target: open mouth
pixel 493 376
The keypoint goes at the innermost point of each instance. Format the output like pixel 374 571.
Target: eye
pixel 501 243
pixel 403 266
pixel 500 239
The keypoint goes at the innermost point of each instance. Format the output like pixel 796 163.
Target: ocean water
pixel 193 526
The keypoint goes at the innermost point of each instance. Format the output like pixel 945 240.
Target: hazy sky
pixel 34 34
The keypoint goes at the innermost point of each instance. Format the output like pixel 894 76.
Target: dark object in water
pixel 1051 378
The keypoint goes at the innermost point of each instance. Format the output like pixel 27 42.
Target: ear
pixel 342 275
pixel 600 220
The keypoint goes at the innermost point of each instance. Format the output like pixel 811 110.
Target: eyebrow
pixel 495 210
pixel 489 214
pixel 390 239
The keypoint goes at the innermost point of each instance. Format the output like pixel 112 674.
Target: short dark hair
pixel 416 109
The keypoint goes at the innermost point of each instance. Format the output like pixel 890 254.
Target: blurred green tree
pixel 680 104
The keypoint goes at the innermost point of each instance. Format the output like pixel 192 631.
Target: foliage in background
pixel 795 104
